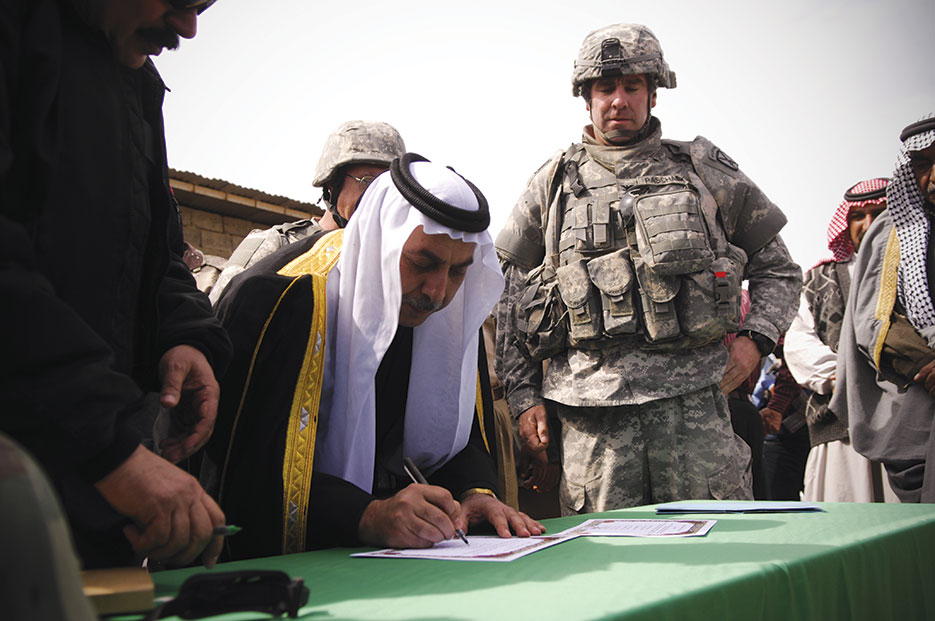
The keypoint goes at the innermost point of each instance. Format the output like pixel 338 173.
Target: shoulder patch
pixel 719 156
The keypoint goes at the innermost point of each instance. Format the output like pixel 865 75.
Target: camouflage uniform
pixel 353 142
pixel 258 244
pixel 642 421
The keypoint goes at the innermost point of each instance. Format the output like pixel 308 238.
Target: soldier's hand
pixel 173 518
pixel 926 377
pixel 191 391
pixel 533 429
pixel 418 516
pixel 743 357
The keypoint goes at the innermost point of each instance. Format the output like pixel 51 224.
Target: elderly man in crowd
pixel 354 350
pixel 624 260
pixel 834 471
pixel 352 157
pixel 886 356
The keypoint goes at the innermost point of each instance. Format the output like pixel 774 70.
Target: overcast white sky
pixel 807 96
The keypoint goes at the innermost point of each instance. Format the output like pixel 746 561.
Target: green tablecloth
pixel 854 561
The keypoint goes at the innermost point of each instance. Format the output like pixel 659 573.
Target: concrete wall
pixel 213 233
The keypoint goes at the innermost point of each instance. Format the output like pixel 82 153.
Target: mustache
pixel 163 37
pixel 422 303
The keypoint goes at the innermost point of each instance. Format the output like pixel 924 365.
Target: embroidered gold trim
pixel 299 455
pixel 479 405
pixel 319 259
pixel 886 300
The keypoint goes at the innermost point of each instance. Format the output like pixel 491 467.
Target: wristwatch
pixel 763 343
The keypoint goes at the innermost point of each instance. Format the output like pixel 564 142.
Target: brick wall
pixel 213 233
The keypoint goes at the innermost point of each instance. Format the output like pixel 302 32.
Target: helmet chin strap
pixel 340 220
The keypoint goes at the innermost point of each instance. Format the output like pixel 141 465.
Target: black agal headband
pixel 432 206
pixel 853 196
pixel 917 128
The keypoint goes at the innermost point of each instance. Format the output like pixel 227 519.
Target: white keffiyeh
pixel 904 202
pixel 364 297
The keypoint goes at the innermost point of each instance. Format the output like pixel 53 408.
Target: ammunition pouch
pixel 613 277
pixel 584 306
pixel 657 297
pixel 707 303
pixel 540 314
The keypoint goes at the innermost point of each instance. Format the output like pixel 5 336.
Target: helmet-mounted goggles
pixel 185 5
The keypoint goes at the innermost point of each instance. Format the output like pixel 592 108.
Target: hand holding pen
pixel 417 516
pixel 410 467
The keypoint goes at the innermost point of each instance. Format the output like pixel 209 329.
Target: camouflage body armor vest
pixel 634 255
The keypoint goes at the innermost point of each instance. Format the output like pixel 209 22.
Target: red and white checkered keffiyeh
pixel 839 237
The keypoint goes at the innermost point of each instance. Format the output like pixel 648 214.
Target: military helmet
pixel 620 49
pixel 358 142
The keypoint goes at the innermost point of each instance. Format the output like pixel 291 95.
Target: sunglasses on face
pixel 185 5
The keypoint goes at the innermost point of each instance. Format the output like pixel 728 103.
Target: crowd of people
pixel 638 283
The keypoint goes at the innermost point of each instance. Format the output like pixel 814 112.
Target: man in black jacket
pixel 102 325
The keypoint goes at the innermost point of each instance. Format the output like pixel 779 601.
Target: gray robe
pixel 885 424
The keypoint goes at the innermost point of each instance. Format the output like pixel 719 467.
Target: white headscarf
pixel 904 202
pixel 364 297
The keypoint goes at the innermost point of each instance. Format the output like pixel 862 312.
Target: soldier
pixel 624 260
pixel 353 155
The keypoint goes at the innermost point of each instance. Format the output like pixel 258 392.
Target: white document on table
pixel 639 528
pixel 498 549
pixel 481 549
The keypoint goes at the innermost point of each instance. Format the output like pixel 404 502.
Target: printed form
pixel 487 548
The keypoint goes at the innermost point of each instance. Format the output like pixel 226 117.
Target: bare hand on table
pixel 480 507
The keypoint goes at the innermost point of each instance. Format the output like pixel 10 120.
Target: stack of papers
pixel 497 549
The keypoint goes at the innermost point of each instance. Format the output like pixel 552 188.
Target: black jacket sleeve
pixel 60 396
pixel 186 317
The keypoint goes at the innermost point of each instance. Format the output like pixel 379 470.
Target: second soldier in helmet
pixel 624 259
pixel 352 156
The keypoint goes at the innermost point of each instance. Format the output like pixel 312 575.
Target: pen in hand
pixel 416 476
pixel 226 531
